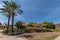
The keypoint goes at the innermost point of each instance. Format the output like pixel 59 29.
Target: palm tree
pixel 7 12
pixel 15 10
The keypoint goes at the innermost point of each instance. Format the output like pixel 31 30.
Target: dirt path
pixel 6 37
pixel 58 38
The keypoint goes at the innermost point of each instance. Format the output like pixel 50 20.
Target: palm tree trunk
pixel 12 22
pixel 8 24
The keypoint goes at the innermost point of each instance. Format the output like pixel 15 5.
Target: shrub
pixel 19 25
pixel 32 24
pixel 49 25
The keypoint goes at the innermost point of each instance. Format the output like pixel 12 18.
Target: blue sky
pixel 37 11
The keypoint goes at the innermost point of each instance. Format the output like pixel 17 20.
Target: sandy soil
pixel 38 36
pixel 6 37
pixel 35 36
pixel 58 38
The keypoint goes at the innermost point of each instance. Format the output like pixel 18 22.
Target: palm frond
pixel 13 5
pixel 20 11
pixel 6 3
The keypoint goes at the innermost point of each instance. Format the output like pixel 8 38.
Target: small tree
pixel 30 24
pixel 19 25
pixel 49 25
pixel 0 23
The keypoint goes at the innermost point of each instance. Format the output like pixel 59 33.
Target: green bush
pixel 19 25
pixel 30 24
pixel 49 25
